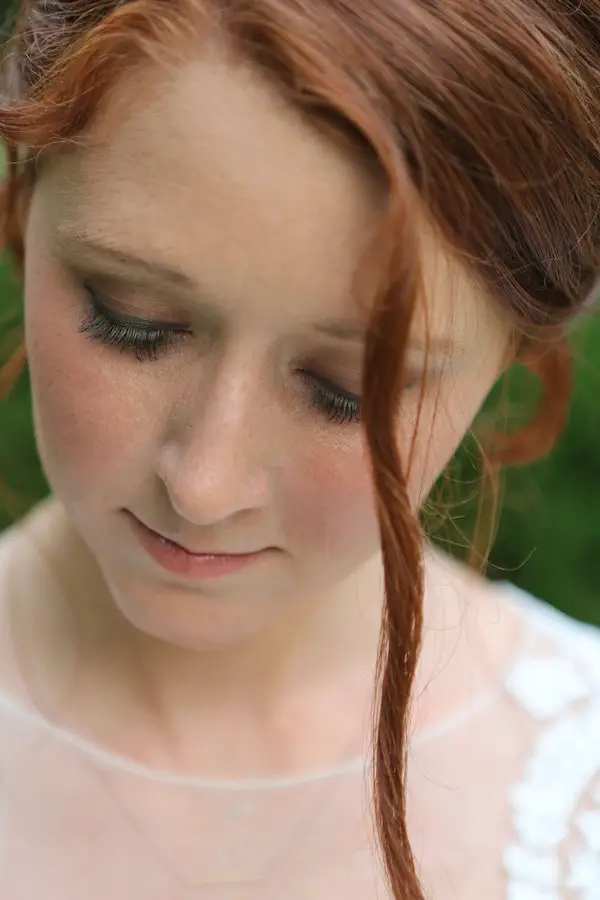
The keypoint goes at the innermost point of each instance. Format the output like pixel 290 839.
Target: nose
pixel 215 464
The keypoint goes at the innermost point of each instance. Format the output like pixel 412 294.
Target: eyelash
pixel 147 341
pixel 340 407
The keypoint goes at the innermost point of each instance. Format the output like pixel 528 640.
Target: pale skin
pixel 218 442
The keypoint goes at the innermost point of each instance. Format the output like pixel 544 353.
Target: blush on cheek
pixel 329 509
pixel 77 429
pixel 86 427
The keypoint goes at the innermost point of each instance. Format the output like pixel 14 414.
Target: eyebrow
pixel 343 330
pixel 81 245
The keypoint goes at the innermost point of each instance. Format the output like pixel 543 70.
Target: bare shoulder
pixel 490 625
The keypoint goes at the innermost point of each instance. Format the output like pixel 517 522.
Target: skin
pixel 217 443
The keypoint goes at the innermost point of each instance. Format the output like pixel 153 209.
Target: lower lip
pixel 175 559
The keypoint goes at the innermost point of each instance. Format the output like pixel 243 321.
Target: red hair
pixel 483 116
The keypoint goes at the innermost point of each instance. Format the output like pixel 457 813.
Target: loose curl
pixel 482 115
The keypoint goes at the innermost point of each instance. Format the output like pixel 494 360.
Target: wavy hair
pixel 483 115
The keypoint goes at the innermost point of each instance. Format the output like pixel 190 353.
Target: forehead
pixel 205 167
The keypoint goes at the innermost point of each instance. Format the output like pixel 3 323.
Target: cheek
pixel 89 425
pixel 443 426
pixel 329 507
pixel 433 452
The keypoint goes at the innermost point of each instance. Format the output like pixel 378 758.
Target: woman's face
pixel 195 351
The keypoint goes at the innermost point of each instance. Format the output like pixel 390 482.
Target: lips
pixel 204 552
pixel 198 568
pixel 183 547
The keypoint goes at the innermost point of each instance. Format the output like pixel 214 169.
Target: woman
pixel 275 255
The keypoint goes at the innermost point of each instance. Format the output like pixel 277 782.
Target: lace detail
pixel 555 806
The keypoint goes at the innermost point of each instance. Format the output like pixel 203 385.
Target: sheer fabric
pixel 504 802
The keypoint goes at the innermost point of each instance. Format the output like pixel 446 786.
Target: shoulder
pixel 557 658
pixel 560 664
pixel 555 805
pixel 550 639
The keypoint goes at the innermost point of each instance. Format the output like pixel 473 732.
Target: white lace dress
pixel 504 803
pixel 555 803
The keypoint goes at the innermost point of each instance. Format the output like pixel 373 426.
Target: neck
pixel 287 699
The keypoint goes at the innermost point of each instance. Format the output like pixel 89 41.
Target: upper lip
pixel 199 552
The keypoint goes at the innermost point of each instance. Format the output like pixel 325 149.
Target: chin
pixel 192 619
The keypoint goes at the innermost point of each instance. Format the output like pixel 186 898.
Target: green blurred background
pixel 547 539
